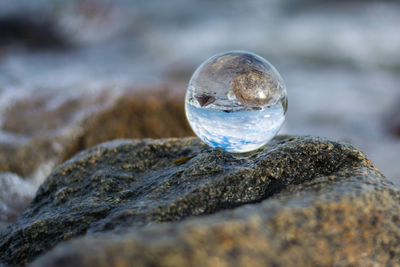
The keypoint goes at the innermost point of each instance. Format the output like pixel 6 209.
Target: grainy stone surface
pixel 57 134
pixel 48 137
pixel 303 201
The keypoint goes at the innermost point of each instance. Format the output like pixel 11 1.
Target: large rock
pixel 298 201
pixel 43 137
pixel 55 134
pixel 155 112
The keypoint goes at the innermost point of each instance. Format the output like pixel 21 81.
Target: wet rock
pixel 297 201
pixel 55 134
pixel 31 158
pixel 45 137
pixel 150 113
pixel 42 130
pixel 39 115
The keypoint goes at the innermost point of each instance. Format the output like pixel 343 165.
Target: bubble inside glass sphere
pixel 236 101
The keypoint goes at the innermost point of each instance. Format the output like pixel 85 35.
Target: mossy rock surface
pixel 176 202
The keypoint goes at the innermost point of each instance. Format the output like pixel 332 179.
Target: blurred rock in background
pixel 76 73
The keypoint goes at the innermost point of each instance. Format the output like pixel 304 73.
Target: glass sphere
pixel 236 101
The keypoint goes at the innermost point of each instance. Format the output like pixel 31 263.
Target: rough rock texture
pixel 44 137
pixel 59 133
pixel 309 201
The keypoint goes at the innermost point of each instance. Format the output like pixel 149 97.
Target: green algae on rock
pixel 297 201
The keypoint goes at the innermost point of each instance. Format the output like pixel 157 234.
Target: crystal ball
pixel 236 101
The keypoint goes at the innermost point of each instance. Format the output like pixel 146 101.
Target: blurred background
pixel 76 73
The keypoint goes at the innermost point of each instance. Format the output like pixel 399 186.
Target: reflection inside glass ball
pixel 236 101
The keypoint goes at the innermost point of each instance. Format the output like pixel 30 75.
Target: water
pixel 238 131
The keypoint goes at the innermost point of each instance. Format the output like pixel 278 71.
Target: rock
pixel 49 136
pixel 205 100
pixel 42 132
pixel 150 113
pixel 298 201
pixel 57 134
pixel 255 88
